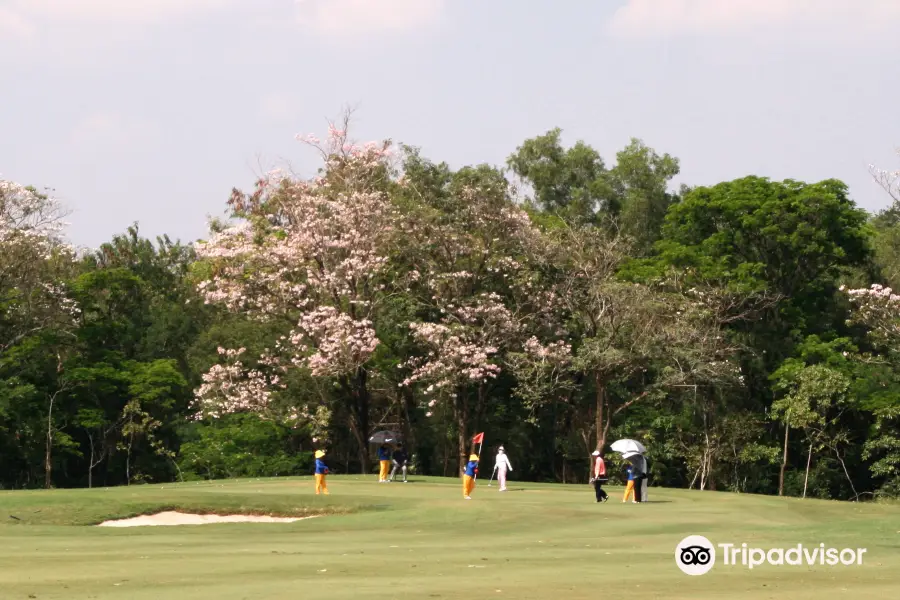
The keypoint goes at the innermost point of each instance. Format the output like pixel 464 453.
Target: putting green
pixel 422 540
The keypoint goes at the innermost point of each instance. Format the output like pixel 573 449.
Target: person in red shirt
pixel 598 477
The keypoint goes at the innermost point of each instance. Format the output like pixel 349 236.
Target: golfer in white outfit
pixel 501 465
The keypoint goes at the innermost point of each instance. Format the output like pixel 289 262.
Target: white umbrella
pixel 625 446
pixel 630 453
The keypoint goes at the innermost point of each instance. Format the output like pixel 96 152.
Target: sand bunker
pixel 177 518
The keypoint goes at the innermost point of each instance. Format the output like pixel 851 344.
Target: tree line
pixel 746 332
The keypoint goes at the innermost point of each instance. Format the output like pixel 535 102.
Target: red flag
pixel 478 438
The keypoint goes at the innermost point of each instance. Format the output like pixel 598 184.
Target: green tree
pixel 811 395
pixel 886 246
pixel 128 371
pixel 575 184
pixel 789 241
pixel 640 181
pixel 571 182
pixel 243 445
pixel 787 237
pixel 824 391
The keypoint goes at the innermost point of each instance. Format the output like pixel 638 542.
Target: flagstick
pixel 480 446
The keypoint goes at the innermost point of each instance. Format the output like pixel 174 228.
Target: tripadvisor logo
pixel 696 555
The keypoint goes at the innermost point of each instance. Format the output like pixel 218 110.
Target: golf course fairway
pixel 422 540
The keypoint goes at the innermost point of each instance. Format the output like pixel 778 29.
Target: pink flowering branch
pixel 24 212
pixel 31 241
pixel 877 308
pixel 312 254
pixel 889 180
pixel 461 349
pixel 329 342
pixel 232 387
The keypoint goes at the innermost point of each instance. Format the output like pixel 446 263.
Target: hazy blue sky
pixel 152 110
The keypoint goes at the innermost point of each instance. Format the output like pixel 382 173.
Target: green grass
pixel 421 541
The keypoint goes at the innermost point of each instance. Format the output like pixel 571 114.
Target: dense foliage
pixel 743 331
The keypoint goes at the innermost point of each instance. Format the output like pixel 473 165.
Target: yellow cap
pixel 473 457
pixel 320 453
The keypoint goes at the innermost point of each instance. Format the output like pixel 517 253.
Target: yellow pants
pixel 385 470
pixel 629 491
pixel 321 486
pixel 468 485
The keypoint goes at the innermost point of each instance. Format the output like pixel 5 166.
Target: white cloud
pixel 75 31
pixel 352 17
pixel 13 24
pixel 23 18
pixel 327 17
pixel 110 11
pixel 111 132
pixel 843 18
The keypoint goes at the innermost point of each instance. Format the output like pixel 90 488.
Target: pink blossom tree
pixel 469 248
pixel 312 254
pixel 878 309
pixel 461 355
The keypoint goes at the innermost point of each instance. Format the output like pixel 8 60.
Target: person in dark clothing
pixel 640 477
pixel 644 479
pixel 400 459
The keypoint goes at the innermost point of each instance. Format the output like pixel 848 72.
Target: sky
pixel 151 111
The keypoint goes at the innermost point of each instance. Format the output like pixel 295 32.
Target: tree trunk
pixel 181 475
pixel 48 464
pixel 359 416
pixel 361 443
pixel 409 407
pixel 461 408
pixel 703 469
pixel 91 463
pixel 480 406
pixel 847 473
pixel 696 475
pixel 602 426
pixel 783 461
pixel 806 477
pixel 447 452
pixel 711 452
